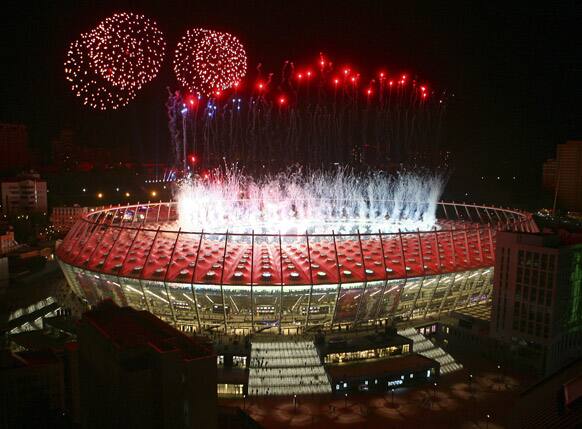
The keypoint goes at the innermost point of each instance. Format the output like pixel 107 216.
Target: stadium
pixel 242 283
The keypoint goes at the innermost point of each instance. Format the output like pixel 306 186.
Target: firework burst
pixel 208 61
pixel 127 50
pixel 88 85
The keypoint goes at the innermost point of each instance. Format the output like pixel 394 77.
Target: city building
pixel 384 375
pixel 24 194
pixel 138 371
pixel 63 218
pixel 563 175
pixel 32 391
pixel 67 154
pixel 7 241
pixel 14 147
pixel 537 297
pixel 4 272
pixel 553 402
pixel 549 175
pixel 63 147
pixel 351 348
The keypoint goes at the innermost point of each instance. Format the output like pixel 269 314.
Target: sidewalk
pixel 454 403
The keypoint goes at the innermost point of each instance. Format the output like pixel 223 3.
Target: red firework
pixel 206 61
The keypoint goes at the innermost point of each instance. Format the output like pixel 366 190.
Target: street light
pixel 295 402
pixel 488 417
pixel 434 391
pixel 392 397
pixel 244 402
pixel 346 400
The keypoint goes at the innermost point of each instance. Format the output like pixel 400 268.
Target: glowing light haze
pixel 317 202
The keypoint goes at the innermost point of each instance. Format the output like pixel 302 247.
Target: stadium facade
pixel 241 283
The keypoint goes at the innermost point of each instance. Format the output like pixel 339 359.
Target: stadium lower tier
pixel 287 309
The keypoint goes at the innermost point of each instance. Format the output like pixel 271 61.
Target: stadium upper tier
pixel 141 241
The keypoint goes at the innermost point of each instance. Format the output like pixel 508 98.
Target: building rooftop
pixel 346 342
pixel 130 328
pixel 26 175
pixel 39 340
pixel 411 363
pixel 549 238
pixel 28 358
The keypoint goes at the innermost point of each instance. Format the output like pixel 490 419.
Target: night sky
pixel 516 72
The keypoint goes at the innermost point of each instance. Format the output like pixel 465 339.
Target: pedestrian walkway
pixel 286 368
pixel 425 347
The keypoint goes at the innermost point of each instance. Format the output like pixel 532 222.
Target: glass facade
pixel 284 308
pixel 377 353
pixel 229 390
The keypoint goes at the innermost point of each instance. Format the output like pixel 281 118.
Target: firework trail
pixel 306 116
